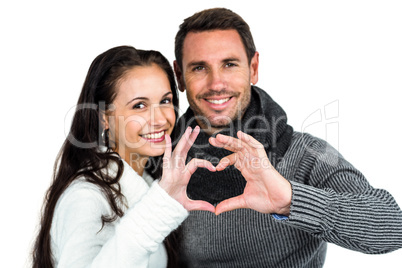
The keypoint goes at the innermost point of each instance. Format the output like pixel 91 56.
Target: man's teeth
pixel 218 101
pixel 154 135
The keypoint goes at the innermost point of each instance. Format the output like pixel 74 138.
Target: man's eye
pixel 198 68
pixel 230 64
pixel 139 105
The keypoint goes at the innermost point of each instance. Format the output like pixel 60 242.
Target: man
pixel 281 195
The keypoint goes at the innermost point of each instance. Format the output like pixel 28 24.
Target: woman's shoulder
pixel 133 186
pixel 85 194
pixel 82 194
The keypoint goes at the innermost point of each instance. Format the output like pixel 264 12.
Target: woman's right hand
pixel 176 174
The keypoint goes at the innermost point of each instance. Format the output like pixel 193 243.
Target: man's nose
pixel 216 80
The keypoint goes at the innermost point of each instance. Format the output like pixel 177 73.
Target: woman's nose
pixel 158 117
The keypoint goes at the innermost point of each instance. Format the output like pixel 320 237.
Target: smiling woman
pixel 103 209
pixel 143 112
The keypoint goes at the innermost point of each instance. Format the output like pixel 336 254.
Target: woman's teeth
pixel 154 135
pixel 218 101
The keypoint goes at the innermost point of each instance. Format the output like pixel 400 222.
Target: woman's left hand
pixel 176 174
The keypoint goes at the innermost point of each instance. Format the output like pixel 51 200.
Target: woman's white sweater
pixel 134 240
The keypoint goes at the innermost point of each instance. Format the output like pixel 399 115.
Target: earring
pixel 105 136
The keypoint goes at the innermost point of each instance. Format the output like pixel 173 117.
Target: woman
pixel 103 208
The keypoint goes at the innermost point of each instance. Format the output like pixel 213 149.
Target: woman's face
pixel 143 113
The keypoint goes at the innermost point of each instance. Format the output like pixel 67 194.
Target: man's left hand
pixel 266 190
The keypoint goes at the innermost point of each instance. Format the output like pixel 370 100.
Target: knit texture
pixel 331 202
pixel 134 240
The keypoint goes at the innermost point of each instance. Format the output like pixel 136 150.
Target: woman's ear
pixel 105 121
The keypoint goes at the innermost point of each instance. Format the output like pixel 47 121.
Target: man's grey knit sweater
pixel 331 202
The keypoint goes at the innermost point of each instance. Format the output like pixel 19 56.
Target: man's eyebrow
pixel 230 60
pixel 196 63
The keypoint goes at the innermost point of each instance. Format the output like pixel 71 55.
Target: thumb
pixel 200 205
pixel 230 204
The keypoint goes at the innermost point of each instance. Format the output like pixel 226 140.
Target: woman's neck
pixel 137 162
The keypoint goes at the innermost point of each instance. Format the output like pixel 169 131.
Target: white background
pixel 345 55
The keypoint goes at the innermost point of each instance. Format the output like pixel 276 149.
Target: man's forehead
pixel 221 44
pixel 195 36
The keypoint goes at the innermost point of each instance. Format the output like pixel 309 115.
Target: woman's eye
pixel 166 101
pixel 139 105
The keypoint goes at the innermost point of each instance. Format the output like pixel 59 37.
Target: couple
pixel 122 197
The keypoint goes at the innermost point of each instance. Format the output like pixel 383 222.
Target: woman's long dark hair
pixel 80 155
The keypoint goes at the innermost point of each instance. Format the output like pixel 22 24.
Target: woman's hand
pixel 176 174
pixel 266 190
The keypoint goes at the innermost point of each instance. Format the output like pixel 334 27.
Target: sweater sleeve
pixel 334 202
pixel 80 240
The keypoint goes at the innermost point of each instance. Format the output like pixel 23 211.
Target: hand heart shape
pixel 266 190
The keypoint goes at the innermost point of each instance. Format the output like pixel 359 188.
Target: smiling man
pixel 281 195
pixel 219 75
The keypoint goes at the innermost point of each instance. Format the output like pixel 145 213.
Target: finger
pixel 191 140
pixel 249 140
pixel 183 138
pixel 214 142
pixel 230 204
pixel 186 141
pixel 195 163
pixel 168 150
pixel 226 161
pixel 227 142
pixel 199 205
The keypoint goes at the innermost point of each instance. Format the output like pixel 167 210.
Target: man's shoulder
pixel 306 145
pixel 304 140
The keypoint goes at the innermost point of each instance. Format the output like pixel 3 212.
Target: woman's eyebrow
pixel 167 93
pixel 137 98
pixel 145 98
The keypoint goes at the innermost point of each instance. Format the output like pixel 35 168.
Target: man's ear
pixel 179 76
pixel 254 68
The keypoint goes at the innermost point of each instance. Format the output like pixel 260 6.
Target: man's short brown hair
pixel 214 19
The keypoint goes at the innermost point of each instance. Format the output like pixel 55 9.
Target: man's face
pixel 216 76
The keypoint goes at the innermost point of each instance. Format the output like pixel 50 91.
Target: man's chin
pixel 220 123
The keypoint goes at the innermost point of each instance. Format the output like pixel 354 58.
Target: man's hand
pixel 176 174
pixel 266 190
